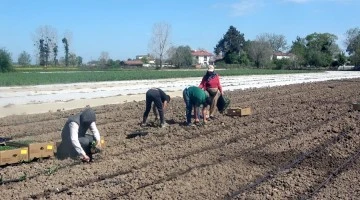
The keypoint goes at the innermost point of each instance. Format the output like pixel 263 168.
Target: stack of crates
pixel 15 152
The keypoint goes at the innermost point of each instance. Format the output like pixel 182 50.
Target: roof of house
pixel 133 62
pixel 200 53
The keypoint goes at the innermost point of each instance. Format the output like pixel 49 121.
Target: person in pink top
pixel 211 84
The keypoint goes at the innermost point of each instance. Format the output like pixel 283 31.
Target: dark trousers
pixel 85 143
pixel 153 95
pixel 65 149
pixel 188 104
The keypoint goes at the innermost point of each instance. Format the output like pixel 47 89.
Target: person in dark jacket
pixel 194 97
pixel 211 84
pixel 160 99
pixel 76 140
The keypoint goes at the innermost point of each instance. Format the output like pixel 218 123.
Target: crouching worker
pixel 75 139
pixel 160 99
pixel 194 97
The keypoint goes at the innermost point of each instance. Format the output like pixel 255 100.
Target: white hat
pixel 211 68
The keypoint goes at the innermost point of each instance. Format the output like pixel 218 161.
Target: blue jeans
pixel 188 105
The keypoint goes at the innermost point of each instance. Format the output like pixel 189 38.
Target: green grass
pixel 48 69
pixel 55 77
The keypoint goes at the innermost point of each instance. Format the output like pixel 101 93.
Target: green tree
pixel 316 49
pixel 55 51
pixel 321 49
pixel 323 42
pixel 181 57
pixel 299 49
pixel 66 47
pixel 79 60
pixel 244 58
pixel 73 59
pixel 41 52
pixel 341 58
pixel 110 63
pixel 24 59
pixel 46 53
pixel 318 58
pixel 283 63
pixel 5 61
pixel 353 45
pixel 230 45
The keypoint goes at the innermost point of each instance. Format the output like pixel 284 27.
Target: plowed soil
pixel 301 142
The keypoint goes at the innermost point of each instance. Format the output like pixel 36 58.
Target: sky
pixel 123 28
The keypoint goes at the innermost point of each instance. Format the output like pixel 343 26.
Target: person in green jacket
pixel 194 97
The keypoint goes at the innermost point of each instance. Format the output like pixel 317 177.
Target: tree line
pixel 314 50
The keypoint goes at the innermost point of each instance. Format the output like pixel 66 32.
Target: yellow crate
pixel 239 111
pixel 37 149
pixel 14 156
pixel 41 150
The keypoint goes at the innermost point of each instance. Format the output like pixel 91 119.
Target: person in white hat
pixel 211 83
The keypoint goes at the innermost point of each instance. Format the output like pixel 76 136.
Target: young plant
pixel 51 170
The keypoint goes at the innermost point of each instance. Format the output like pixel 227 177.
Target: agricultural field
pixel 301 142
pixel 54 76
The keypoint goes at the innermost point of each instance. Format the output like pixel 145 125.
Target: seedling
pixel 23 177
pixel 94 149
pixel 51 170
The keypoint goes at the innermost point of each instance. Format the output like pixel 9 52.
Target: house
pixel 281 55
pixel 202 57
pixel 134 63
pixel 148 58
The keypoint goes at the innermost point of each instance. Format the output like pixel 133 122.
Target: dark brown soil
pixel 301 142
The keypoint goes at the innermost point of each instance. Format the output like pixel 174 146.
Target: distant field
pixel 39 77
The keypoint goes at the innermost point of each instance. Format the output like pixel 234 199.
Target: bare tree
pixel 24 59
pixel 104 57
pixel 260 52
pixel 160 40
pixel 45 39
pixel 277 42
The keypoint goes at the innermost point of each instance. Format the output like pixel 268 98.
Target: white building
pixel 281 55
pixel 202 57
